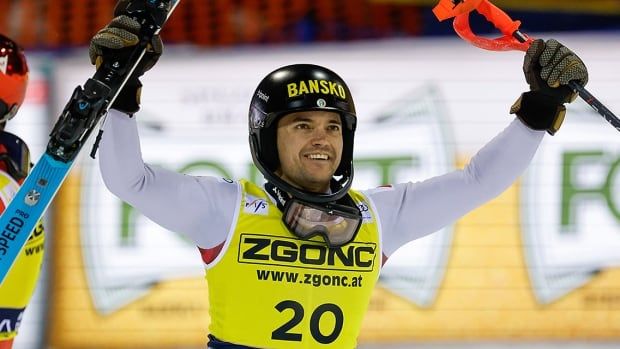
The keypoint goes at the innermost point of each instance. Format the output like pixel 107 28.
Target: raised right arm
pixel 201 208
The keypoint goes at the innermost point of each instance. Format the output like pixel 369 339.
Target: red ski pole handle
pixel 513 39
pixel 501 21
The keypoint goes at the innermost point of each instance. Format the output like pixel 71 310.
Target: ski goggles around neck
pixel 337 224
pixel 14 155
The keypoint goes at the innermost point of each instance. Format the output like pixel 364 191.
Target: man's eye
pixel 334 128
pixel 302 126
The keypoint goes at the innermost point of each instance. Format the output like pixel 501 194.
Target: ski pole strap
pixel 501 21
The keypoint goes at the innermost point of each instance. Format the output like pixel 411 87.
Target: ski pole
pixel 512 39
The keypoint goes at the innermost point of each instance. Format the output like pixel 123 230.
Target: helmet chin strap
pixel 279 174
pixel 338 187
pixel 337 190
pixel 282 196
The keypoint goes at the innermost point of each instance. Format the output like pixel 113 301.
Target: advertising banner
pixel 424 107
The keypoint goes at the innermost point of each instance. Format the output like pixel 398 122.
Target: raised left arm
pixel 410 210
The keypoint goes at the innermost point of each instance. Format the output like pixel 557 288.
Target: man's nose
pixel 319 136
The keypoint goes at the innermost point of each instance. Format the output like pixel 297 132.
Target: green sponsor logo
pixel 575 193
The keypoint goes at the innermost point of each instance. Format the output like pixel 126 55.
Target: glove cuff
pixel 539 111
pixel 128 100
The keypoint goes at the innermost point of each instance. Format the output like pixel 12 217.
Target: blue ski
pixel 72 130
pixel 29 204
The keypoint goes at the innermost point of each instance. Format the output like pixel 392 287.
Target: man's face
pixel 310 149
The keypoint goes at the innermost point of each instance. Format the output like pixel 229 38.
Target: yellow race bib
pixel 270 289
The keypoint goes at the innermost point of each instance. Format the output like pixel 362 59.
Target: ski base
pixel 29 204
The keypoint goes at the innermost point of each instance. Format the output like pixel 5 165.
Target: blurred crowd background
pixel 58 24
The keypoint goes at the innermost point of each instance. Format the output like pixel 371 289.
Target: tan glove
pixel 122 34
pixel 549 67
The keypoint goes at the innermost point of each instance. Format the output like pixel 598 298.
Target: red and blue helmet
pixel 13 78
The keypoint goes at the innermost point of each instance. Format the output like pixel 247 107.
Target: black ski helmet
pixel 293 88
